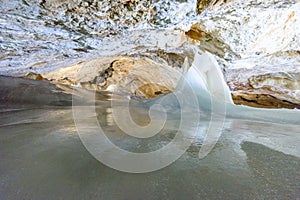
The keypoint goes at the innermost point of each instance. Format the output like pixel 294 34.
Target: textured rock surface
pixel 203 4
pixel 268 86
pixel 145 78
pixel 261 88
pixel 57 33
pixel 261 99
pixel 209 41
pixel 136 76
pixel 258 48
pixel 34 76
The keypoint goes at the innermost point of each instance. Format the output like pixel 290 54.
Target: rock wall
pixel 135 76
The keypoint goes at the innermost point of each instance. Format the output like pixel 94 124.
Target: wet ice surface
pixel 42 157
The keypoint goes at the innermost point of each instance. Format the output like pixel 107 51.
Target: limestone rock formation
pixel 136 76
pixel 257 48
pixel 278 89
pixel 34 76
pixel 203 4
pixel 210 41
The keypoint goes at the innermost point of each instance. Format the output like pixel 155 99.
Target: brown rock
pixel 34 76
pixel 261 101
pixel 151 90
pixel 261 88
pixel 278 81
pixel 204 4
pixel 65 81
pixel 209 41
pixel 137 76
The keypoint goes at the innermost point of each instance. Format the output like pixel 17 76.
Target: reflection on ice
pixel 46 159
